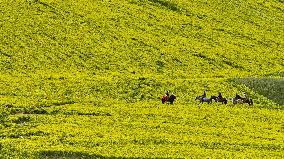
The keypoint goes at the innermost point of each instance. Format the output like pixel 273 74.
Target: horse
pixel 170 99
pixel 203 99
pixel 218 99
pixel 240 100
pixel 237 101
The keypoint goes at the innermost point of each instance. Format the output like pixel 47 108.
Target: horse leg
pixel 234 101
pixel 247 101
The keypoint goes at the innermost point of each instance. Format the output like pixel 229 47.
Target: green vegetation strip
pixel 272 88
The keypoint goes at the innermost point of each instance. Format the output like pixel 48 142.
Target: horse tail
pixel 225 101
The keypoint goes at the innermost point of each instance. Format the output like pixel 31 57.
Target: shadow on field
pixel 169 5
pixel 80 155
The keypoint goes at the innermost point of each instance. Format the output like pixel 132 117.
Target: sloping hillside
pixel 85 78
pixel 169 38
pixel 58 52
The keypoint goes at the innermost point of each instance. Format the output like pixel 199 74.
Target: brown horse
pixel 218 99
pixel 240 100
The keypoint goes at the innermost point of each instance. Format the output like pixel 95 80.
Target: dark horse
pixel 239 99
pixel 170 99
pixel 203 99
pixel 220 99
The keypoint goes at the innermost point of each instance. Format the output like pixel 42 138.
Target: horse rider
pixel 246 96
pixel 168 93
pixel 165 98
pixel 203 95
pixel 220 96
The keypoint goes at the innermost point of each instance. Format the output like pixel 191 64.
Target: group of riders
pixel 220 98
pixel 203 98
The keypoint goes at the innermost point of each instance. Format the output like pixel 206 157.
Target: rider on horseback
pixel 168 98
pixel 168 93
pixel 246 96
pixel 203 95
pixel 220 96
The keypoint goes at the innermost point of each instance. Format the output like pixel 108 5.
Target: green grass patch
pixel 272 88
